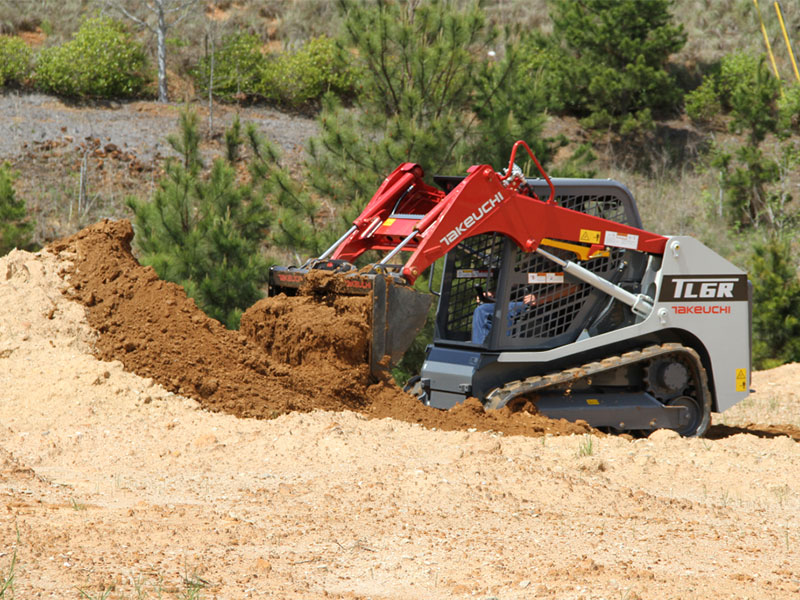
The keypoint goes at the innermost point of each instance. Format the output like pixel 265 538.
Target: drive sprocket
pixel 667 377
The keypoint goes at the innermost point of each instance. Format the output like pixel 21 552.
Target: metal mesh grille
pixel 536 311
pixel 606 207
pixel 546 310
pixel 476 261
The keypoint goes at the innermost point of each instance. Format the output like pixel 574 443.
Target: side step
pixel 622 411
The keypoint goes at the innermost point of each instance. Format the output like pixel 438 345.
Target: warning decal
pixel 545 277
pixel 471 274
pixel 741 380
pixel 590 236
pixel 622 240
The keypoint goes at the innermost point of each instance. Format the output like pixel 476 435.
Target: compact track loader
pixel 551 292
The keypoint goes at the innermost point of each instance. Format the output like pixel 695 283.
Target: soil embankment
pixel 292 354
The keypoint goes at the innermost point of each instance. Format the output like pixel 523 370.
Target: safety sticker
pixel 622 240
pixel 545 277
pixel 388 222
pixel 590 236
pixel 593 401
pixel 741 380
pixel 471 273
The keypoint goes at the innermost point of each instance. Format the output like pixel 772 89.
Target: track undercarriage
pixel 657 387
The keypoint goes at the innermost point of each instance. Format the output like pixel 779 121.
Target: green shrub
pixel 789 111
pixel 776 296
pixel 237 67
pixel 15 229
pixel 703 104
pixel 747 178
pixel 294 79
pixel 750 91
pixel 742 87
pixel 101 61
pixel 15 61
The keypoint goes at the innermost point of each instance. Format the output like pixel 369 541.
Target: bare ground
pixel 113 484
pixel 119 146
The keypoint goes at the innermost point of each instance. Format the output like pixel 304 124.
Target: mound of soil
pixel 292 354
pixel 323 340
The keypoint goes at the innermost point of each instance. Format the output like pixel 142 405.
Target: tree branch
pixel 186 4
pixel 129 15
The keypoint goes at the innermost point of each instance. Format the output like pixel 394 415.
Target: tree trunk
pixel 211 86
pixel 161 34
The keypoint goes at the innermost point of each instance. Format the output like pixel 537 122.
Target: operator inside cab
pixel 483 316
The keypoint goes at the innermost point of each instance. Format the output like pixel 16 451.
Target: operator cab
pixel 496 297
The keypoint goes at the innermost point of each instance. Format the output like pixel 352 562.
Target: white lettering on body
pixel 472 219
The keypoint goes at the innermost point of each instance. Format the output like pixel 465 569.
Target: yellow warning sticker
pixel 741 380
pixel 388 222
pixel 590 236
pixel 593 401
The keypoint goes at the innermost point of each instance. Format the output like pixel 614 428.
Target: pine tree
pixel 776 296
pixel 429 93
pixel 608 58
pixel 300 225
pixel 204 230
pixel 15 228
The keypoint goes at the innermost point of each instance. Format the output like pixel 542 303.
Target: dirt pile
pixel 323 340
pixel 293 354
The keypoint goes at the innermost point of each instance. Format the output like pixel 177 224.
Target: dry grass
pixel 718 27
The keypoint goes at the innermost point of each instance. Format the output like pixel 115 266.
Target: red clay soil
pixel 292 354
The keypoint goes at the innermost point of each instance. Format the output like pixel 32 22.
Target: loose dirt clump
pixel 293 354
pixel 304 329
pixel 324 340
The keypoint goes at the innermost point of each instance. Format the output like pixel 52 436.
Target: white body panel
pixel 706 310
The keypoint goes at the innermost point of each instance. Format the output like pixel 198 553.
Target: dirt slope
pixel 112 483
pixel 294 354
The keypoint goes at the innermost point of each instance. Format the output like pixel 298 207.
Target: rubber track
pixel 499 397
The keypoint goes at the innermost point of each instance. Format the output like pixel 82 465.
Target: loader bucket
pixel 398 310
pixel 398 314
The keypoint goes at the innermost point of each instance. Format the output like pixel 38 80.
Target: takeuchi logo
pixel 471 219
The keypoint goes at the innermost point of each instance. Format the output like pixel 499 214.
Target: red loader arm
pixel 407 214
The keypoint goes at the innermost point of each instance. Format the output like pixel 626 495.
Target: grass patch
pixel 103 595
pixel 7 578
pixel 586 446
